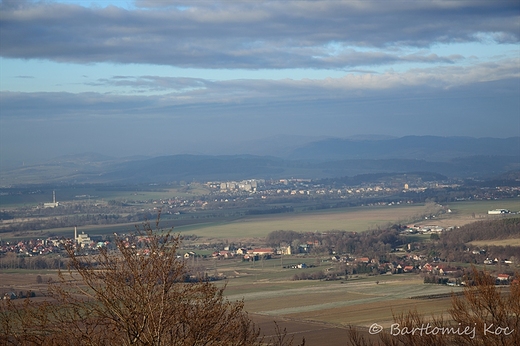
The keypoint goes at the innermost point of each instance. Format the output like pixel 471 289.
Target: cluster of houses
pixel 37 247
pixel 244 185
pixel 404 266
pixel 253 254
pixel 412 263
pixel 303 187
pixel 31 247
pixel 425 229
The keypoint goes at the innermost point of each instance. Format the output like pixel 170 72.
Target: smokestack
pixel 75 234
pixel 53 196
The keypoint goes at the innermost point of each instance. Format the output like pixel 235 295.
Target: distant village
pixel 246 195
pixel 405 259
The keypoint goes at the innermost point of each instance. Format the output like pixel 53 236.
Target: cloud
pixel 251 34
pixel 44 125
pixel 153 83
pixel 184 95
pixel 183 89
pixel 193 115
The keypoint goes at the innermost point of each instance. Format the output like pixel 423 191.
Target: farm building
pixel 498 211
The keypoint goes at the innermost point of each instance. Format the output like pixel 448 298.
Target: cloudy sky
pixel 157 77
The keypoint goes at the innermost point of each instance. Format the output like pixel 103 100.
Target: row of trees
pixel 453 245
pixel 369 243
pixel 12 261
pixel 484 230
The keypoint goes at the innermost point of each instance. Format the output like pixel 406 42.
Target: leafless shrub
pixel 131 296
pixel 484 315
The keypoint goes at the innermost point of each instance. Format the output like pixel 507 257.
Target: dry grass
pixel 357 219
pixel 349 219
pixel 360 302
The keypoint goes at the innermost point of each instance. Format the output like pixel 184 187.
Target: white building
pixel 81 239
pixel 498 211
pixel 54 204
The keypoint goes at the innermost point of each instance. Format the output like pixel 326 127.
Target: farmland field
pixel 320 310
pixel 356 219
pixel 233 228
pixel 470 211
pixel 350 219
pixel 267 289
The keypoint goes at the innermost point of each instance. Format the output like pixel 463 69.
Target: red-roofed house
pixel 503 277
pixel 262 251
pixel 427 267
pixel 408 269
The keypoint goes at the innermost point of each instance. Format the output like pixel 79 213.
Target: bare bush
pixel 136 295
pixel 485 314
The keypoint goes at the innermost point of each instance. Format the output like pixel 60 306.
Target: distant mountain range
pixel 429 148
pixel 461 157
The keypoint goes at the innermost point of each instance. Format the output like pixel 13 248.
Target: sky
pixel 162 77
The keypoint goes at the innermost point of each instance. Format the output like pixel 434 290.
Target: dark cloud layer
pixel 251 34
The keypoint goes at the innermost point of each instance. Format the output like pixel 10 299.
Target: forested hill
pixel 484 230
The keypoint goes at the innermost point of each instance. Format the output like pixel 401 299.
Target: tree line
pixel 369 243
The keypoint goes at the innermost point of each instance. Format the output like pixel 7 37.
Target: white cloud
pixel 197 92
pixel 203 91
